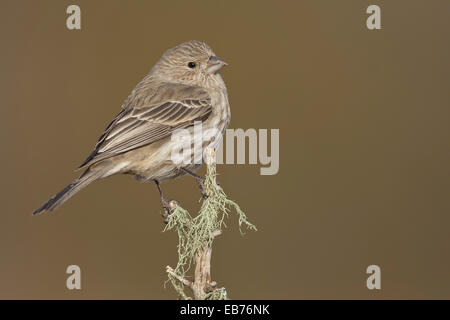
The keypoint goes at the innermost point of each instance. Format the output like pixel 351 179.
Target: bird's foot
pixel 169 207
pixel 202 188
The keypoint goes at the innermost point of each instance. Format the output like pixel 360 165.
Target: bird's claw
pixel 169 207
pixel 204 194
pixel 201 186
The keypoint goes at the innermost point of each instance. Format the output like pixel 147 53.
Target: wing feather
pixel 140 125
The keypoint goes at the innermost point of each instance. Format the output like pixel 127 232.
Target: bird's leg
pixel 199 180
pixel 168 206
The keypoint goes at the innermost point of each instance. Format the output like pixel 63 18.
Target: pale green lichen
pixel 194 233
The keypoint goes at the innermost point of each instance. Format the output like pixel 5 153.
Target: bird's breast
pixel 220 116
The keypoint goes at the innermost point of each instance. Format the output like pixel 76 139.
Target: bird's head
pixel 192 63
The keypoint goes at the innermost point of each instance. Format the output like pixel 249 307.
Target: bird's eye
pixel 191 65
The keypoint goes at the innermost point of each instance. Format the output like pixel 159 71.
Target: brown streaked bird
pixel 182 89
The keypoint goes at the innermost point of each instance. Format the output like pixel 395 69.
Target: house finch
pixel 182 89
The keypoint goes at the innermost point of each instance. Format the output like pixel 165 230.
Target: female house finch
pixel 183 88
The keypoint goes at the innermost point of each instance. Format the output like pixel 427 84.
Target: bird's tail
pixel 65 194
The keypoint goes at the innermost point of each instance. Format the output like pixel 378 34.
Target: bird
pixel 183 89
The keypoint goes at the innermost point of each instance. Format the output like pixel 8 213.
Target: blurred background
pixel 364 148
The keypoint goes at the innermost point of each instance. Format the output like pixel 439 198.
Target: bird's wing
pixel 149 115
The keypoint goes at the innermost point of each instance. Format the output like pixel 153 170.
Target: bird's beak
pixel 215 64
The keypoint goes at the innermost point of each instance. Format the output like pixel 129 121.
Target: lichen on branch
pixel 196 236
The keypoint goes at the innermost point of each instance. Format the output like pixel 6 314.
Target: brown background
pixel 364 143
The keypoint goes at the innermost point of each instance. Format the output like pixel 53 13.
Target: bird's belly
pixel 162 160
